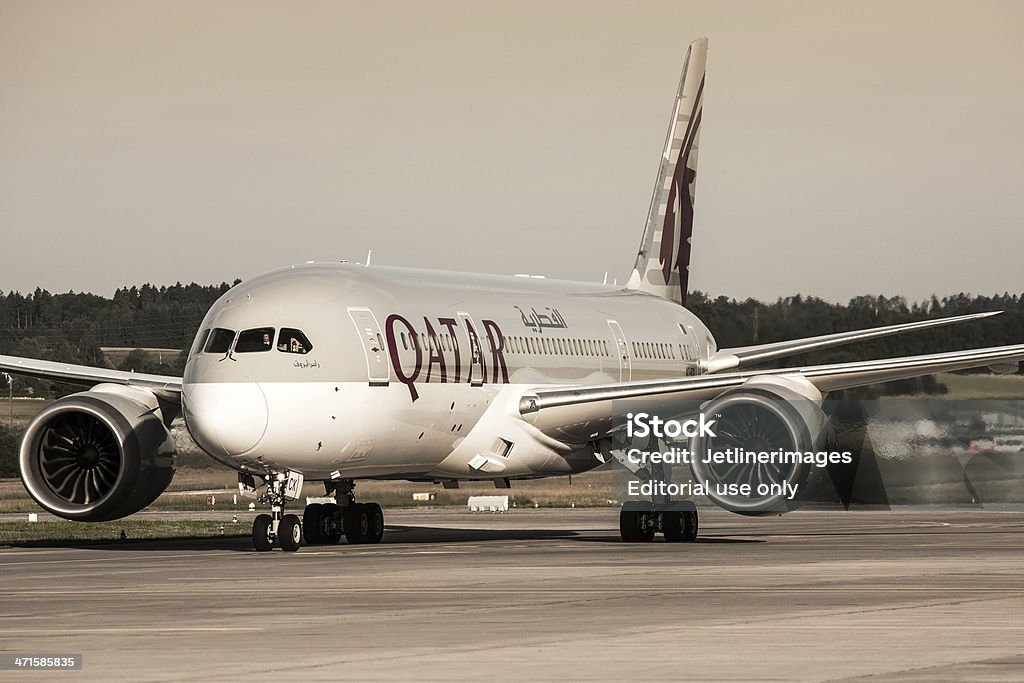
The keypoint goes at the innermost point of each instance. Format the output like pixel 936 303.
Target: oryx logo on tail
pixel 663 263
pixel 678 223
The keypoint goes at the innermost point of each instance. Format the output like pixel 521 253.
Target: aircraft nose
pixel 226 418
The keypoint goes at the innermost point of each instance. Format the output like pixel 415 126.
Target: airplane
pixel 337 372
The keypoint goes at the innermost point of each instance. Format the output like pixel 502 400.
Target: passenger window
pixel 254 340
pixel 293 341
pixel 220 340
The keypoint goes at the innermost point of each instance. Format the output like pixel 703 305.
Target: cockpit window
pixel 259 339
pixel 220 340
pixel 200 341
pixel 293 341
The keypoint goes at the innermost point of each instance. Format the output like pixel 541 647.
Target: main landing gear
pixel 323 523
pixel 326 523
pixel 640 522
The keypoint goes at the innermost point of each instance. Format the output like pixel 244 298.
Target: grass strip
pixel 62 532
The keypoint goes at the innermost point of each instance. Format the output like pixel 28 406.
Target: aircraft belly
pixel 353 429
pixel 350 429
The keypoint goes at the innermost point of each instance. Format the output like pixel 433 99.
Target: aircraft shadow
pixel 394 534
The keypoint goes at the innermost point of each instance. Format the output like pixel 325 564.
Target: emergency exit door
pixel 476 352
pixel 622 351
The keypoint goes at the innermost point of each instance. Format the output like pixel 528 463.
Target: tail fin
pixel 663 264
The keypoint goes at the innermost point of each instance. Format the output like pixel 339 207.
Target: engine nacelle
pixel 98 455
pixel 765 415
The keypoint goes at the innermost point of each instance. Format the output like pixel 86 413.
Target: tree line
pixel 740 323
pixel 72 327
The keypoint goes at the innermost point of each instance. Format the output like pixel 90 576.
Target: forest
pixel 72 327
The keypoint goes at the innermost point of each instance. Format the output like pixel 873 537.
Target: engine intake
pixel 98 455
pixel 762 417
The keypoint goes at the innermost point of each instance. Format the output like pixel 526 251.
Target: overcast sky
pixel 847 147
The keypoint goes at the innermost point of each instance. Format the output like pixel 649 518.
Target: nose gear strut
pixel 278 527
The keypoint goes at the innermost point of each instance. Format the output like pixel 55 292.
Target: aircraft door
pixel 476 364
pixel 378 370
pixel 691 349
pixel 622 351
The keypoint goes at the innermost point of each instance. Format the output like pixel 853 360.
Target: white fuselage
pixel 342 370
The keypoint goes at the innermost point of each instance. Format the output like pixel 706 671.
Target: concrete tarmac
pixel 913 594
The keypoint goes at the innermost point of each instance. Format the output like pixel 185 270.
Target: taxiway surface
pixel 908 594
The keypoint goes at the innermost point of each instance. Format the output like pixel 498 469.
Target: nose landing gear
pixel 285 530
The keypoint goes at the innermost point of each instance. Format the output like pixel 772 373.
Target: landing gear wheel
pixel 261 539
pixel 330 525
pixel 672 526
pixel 636 526
pixel 312 523
pixel 356 523
pixel 690 526
pixel 289 533
pixel 375 523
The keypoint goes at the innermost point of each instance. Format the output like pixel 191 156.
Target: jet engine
pixel 756 424
pixel 98 455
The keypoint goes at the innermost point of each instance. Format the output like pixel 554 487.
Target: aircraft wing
pixel 742 356
pixel 581 413
pixel 165 387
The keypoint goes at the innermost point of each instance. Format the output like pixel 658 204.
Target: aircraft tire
pixel 673 526
pixel 289 533
pixel 375 523
pixel 356 523
pixel 261 533
pixel 312 519
pixel 635 527
pixel 690 526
